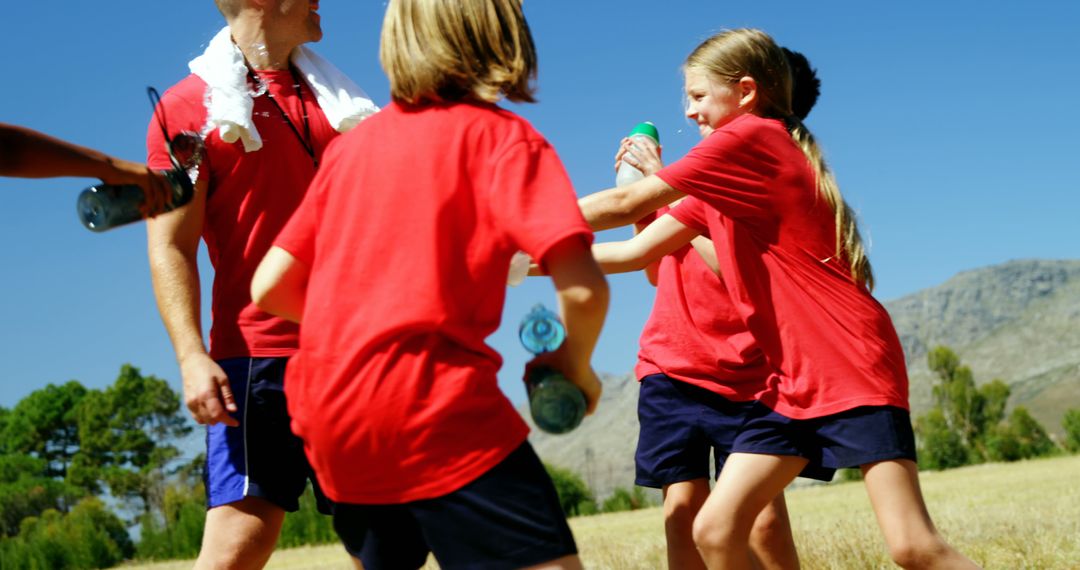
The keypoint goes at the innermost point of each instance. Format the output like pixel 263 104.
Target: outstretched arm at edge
pixel 31 154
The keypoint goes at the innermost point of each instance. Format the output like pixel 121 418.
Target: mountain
pixel 1018 321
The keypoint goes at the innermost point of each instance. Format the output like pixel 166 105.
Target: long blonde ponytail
pixel 848 239
pixel 731 55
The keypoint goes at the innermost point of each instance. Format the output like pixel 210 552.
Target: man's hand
pixel 206 391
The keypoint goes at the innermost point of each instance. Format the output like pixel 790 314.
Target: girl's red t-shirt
pixel 832 345
pixel 695 335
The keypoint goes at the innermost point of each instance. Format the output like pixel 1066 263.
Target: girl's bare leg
pixel 898 503
pixel 746 485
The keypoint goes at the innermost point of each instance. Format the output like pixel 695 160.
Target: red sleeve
pixel 728 171
pixel 180 114
pixel 532 199
pixel 691 213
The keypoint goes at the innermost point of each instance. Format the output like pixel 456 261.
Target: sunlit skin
pixel 301 17
pixel 712 104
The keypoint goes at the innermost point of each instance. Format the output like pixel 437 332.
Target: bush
pixel 178 532
pixel 623 500
pixel 307 525
pixel 90 536
pixel 940 447
pixel 574 495
pixel 1022 437
pixel 1071 424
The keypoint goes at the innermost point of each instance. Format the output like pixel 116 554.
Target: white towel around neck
pixel 229 103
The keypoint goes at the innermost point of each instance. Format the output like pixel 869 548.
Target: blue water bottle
pixel 556 404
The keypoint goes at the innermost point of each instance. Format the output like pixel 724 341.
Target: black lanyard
pixel 305 140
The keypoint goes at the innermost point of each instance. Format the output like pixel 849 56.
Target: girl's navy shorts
pixel 851 438
pixel 681 424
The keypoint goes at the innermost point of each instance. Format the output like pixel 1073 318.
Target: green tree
pixel 1021 437
pixel 995 396
pixel 90 536
pixel 4 415
pixel 25 491
pixel 177 532
pixel 45 425
pixel 956 395
pixel 1071 424
pixel 574 495
pixel 940 446
pixel 128 434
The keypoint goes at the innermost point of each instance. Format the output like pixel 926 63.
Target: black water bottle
pixel 105 206
pixel 555 403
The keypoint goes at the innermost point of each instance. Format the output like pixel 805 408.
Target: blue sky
pixel 951 127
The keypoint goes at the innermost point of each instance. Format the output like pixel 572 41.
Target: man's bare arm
pixel 173 244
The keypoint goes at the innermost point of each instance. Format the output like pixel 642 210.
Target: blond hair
pixel 448 50
pixel 731 55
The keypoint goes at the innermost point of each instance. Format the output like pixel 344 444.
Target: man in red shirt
pixel 255 174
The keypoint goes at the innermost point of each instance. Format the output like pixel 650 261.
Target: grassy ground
pixel 1015 516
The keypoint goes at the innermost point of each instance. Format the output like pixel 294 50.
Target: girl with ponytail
pixel 789 253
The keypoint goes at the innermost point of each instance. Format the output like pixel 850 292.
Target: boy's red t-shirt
pixel 408 231
pixel 833 346
pixel 251 196
pixel 695 335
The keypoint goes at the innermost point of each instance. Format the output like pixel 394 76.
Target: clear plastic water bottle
pixel 106 206
pixel 556 404
pixel 643 134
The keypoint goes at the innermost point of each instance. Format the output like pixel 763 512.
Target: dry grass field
pixel 1019 516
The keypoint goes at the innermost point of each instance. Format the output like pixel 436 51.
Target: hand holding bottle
pixel 555 403
pixel 638 155
pixel 129 195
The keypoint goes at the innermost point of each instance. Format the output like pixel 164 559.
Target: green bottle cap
pixel 648 129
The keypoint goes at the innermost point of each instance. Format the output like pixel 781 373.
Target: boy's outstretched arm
pixel 582 291
pixel 280 284
pixel 658 239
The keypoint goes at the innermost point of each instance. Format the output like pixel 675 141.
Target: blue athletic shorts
pixel 680 424
pixel 261 457
pixel 509 517
pixel 847 439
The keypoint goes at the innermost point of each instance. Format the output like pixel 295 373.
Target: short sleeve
pixel 730 170
pixel 532 199
pixel 691 213
pixel 179 115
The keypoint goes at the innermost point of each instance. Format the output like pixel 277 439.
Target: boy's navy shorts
pixel 261 457
pixel 850 438
pixel 680 424
pixel 510 517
